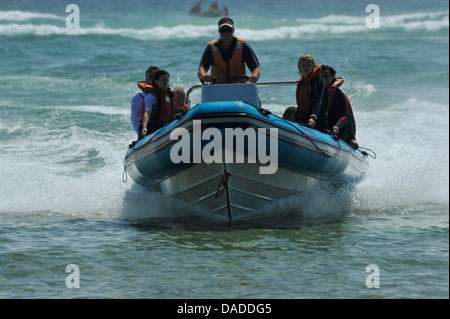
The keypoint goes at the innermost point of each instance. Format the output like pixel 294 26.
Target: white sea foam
pixel 43 190
pixel 329 25
pixel 16 15
pixel 427 21
pixel 298 32
pixel 158 33
pixel 363 89
pixel 52 170
pixel 107 110
pixel 411 140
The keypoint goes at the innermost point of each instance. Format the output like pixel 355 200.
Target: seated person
pixel 339 112
pixel 179 102
pixel 137 102
pixel 158 104
pixel 289 113
pixel 311 95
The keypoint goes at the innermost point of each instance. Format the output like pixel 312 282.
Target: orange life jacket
pixel 303 96
pixel 144 86
pixel 163 111
pixel 222 70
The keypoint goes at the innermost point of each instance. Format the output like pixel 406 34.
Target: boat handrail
pixel 192 89
pixel 262 84
pixel 277 83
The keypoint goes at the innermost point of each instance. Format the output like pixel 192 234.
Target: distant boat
pixel 209 8
pixel 245 176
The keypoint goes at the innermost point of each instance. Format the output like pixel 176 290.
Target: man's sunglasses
pixel 226 30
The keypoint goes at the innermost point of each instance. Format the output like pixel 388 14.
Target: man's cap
pixel 226 22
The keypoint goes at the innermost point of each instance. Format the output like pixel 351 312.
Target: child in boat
pixel 341 120
pixel 289 113
pixel 179 101
pixel 311 95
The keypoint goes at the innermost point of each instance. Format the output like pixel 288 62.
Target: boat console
pixel 247 93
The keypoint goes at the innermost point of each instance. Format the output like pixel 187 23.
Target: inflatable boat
pixel 230 157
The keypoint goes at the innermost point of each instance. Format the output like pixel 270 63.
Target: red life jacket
pixel 162 112
pixel 332 90
pixel 222 70
pixel 349 105
pixel 303 95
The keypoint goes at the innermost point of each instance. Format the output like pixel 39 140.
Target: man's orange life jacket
pixel 222 70
pixel 303 96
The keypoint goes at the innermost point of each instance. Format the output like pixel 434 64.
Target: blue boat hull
pixel 231 183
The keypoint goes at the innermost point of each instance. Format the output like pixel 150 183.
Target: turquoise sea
pixel 64 131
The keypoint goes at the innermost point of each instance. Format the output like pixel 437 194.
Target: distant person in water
pixel 341 120
pixel 196 9
pixel 214 6
pixel 137 101
pixel 311 95
pixel 228 57
pixel 225 9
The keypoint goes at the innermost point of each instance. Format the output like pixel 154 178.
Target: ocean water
pixel 64 131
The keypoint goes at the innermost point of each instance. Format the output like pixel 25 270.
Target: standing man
pixel 228 57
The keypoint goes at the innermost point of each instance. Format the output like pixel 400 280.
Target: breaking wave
pixel 332 25
pixel 16 15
